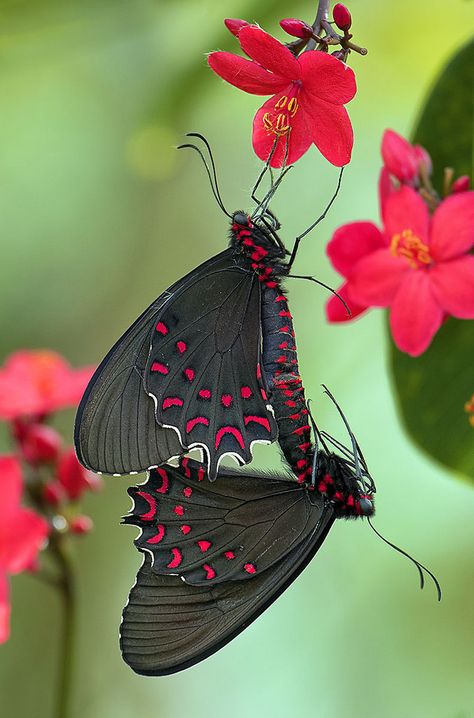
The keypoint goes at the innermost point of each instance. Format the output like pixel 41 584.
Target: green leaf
pixel 432 389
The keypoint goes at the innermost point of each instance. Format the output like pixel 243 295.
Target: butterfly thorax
pixel 336 479
pixel 258 248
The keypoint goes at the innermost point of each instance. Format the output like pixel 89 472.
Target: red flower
pixel 308 94
pixel 34 383
pixel 22 533
pixel 420 267
pixel 403 160
pixel 74 478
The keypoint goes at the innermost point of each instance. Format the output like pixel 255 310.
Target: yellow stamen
pixel 407 245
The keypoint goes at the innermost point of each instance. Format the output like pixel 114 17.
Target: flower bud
pixel 74 478
pixel 342 16
pixel 423 159
pixel 296 28
pixel 398 157
pixel 461 184
pixel 81 525
pixel 40 444
pixel 53 493
pixel 235 25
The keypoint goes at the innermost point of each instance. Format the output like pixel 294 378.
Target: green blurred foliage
pixel 433 389
pixel 99 215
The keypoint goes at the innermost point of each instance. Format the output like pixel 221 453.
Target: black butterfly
pixel 211 364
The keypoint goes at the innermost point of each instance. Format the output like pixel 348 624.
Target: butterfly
pixel 210 365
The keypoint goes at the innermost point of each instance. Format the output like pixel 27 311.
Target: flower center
pixel 410 247
pixel 278 121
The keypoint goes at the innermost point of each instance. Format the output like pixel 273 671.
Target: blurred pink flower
pixel 74 478
pixel 35 383
pixel 22 534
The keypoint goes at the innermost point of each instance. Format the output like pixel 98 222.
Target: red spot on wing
pixel 259 372
pixel 165 480
pixel 177 558
pixel 162 328
pixel 201 473
pixel 181 347
pixel 189 373
pixel 229 555
pixel 284 329
pixel 291 404
pixel 264 394
pixel 210 573
pixel 280 298
pixel 188 492
pixel 229 430
pixel 257 420
pixel 159 535
pixel 204 545
pixel 172 401
pixel 184 464
pixel 284 313
pixel 283 345
pixel 227 400
pixel 246 392
pixel 250 568
pixel 179 510
pixel 160 368
pixel 185 529
pixel 197 420
pixel 151 503
pixel 205 394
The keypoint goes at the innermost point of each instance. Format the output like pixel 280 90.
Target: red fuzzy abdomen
pixel 280 364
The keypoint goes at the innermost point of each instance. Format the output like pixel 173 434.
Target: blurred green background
pixel 99 215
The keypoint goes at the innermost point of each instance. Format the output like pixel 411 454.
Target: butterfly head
pixel 349 489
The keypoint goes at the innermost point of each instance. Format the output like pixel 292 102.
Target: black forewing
pixel 232 529
pixel 204 367
pixel 168 625
pixel 116 431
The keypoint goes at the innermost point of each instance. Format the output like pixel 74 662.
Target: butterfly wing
pixel 207 533
pixel 169 625
pixel 203 370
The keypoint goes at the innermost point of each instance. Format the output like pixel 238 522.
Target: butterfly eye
pixel 241 218
pixel 366 507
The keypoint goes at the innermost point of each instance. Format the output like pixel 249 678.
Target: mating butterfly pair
pixel 212 365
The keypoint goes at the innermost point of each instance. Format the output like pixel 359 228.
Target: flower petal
pixel 406 210
pixel 415 316
pixel 245 74
pixel 21 538
pixel 453 286
pixel 386 188
pixel 327 78
pixel 336 311
pixel 330 128
pixel 352 242
pixel 399 156
pixel 452 229
pixel 11 482
pixel 299 137
pixel 269 52
pixel 376 278
pixel 4 608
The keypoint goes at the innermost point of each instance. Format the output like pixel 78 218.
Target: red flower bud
pixel 40 444
pixel 461 184
pixel 423 158
pixel 296 28
pixel 399 157
pixel 53 493
pixel 81 525
pixel 234 25
pixel 342 16
pixel 74 478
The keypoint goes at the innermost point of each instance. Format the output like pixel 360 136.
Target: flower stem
pixel 60 549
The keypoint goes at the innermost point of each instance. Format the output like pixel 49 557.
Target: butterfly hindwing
pixel 169 625
pixel 209 533
pixel 203 370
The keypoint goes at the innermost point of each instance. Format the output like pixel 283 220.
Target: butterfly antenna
pixel 420 567
pixel 262 208
pixel 321 284
pixel 317 438
pixel 263 172
pixel 213 164
pixel 354 441
pixel 320 219
pixel 209 174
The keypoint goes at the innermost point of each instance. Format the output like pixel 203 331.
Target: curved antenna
pixel 215 190
pixel 314 467
pixel 213 164
pixel 321 284
pixel 357 450
pixel 320 219
pixel 420 567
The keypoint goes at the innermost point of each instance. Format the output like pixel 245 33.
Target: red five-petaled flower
pixel 308 97
pixel 420 267
pixel 22 533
